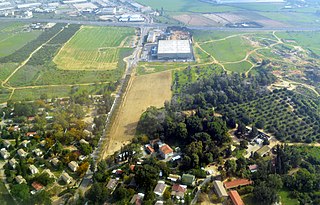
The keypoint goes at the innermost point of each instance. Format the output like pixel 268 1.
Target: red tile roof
pixel 29 134
pixel 178 188
pixel 236 183
pixel 37 186
pixel 165 149
pixel 151 150
pixel 235 197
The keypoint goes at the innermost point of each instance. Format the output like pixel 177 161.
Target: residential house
pixel 174 177
pixel 6 143
pixel 165 151
pixel 219 189
pixel 236 183
pixel 48 171
pixel 137 199
pixel 178 190
pixel 55 161
pixel 33 169
pixel 37 186
pixel 253 168
pixel 19 179
pixel 66 177
pixel 13 163
pixel 159 189
pixel 112 184
pixel 73 166
pixel 159 203
pixel 43 143
pixel 235 198
pixel 25 143
pixel 31 134
pixel 149 149
pixel 83 141
pixel 188 179
pixel 37 152
pixel 22 153
pixel 4 153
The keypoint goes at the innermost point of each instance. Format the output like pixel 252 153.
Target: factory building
pixel 174 49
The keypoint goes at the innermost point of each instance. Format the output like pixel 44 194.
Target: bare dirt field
pixel 143 91
pixel 196 20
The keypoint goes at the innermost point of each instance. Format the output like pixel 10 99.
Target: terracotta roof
pixel 253 167
pixel 165 149
pixel 30 134
pixel 132 167
pixel 235 197
pixel 179 188
pixel 37 186
pixel 236 183
pixel 150 149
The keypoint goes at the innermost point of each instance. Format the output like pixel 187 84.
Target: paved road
pixel 161 25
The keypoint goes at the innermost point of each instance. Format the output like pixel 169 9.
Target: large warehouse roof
pixel 174 46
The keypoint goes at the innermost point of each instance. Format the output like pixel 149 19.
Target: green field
pixel 186 6
pixel 230 50
pixel 93 48
pixel 13 37
pixel 241 67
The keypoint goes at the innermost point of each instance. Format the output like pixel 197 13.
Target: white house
pixel 73 166
pixel 37 152
pixel 19 179
pixel 13 163
pixel 22 153
pixel 159 189
pixel 4 153
pixel 165 151
pixel 66 177
pixel 33 169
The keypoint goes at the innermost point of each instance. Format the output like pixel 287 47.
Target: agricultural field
pixel 93 48
pixel 41 65
pixel 142 92
pixel 14 36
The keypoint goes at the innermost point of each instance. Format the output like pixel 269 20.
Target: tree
pixel 21 192
pixel 82 168
pixel 264 193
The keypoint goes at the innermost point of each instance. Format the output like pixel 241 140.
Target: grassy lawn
pixel 241 67
pixel 285 198
pixel 12 37
pixel 93 48
pixel 292 17
pixel 230 50
pixel 5 197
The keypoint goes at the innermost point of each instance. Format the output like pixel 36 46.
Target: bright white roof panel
pixel 174 46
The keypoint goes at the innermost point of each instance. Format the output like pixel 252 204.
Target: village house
pixel 55 161
pixel 83 141
pixel 237 183
pixel 178 191
pixel 37 152
pixel 4 153
pixel 235 198
pixel 219 189
pixel 6 143
pixel 159 203
pixel 31 134
pixel 73 166
pixel 137 199
pixel 165 151
pixel 25 143
pixel 149 149
pixel 13 163
pixel 19 179
pixel 22 153
pixel 188 179
pixel 43 143
pixel 33 169
pixel 37 186
pixel 66 178
pixel 253 168
pixel 174 177
pixel 112 184
pixel 159 189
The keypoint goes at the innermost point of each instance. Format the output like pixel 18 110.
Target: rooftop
pixel 174 46
pixel 37 186
pixel 166 149
pixel 221 191
pixel 237 182
pixel 235 197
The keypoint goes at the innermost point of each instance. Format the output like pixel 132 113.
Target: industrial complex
pixel 174 49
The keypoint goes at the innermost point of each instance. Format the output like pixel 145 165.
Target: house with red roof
pixel 37 186
pixel 178 190
pixel 236 183
pixel 235 198
pixel 165 151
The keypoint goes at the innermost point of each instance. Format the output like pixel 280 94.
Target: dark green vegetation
pixel 286 114
pixel 294 174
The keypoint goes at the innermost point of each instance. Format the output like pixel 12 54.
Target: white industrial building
pixel 174 49
pixel 248 1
